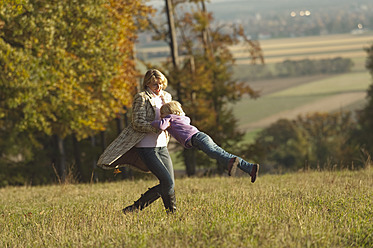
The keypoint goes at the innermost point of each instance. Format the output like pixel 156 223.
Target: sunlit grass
pixel 306 209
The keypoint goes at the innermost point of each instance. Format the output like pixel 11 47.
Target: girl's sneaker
pixel 232 166
pixel 254 172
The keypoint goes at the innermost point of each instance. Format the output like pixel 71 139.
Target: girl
pixel 178 125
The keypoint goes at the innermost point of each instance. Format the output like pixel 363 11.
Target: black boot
pixel 145 200
pixel 169 202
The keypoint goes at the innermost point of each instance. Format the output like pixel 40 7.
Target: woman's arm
pixel 139 114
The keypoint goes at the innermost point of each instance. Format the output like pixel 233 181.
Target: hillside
pixel 299 96
pixel 304 209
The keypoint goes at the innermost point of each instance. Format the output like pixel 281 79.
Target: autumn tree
pixel 66 66
pixel 204 79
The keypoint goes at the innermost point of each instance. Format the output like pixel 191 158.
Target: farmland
pixel 317 47
pixel 304 209
pixel 278 50
pixel 326 94
pixel 290 97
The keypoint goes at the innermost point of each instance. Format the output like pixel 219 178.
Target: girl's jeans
pixel 158 160
pixel 204 143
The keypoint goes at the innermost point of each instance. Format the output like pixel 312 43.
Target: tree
pixel 204 81
pixel 313 140
pixel 66 67
pixel 366 114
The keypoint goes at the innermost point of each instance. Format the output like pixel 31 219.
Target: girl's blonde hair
pixel 173 107
pixel 152 75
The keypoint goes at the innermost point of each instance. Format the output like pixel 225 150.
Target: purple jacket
pixel 178 126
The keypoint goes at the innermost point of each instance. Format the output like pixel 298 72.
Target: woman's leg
pixel 159 163
pixel 145 200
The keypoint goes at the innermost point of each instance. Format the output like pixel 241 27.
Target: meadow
pixel 304 209
pixel 311 47
pixel 345 89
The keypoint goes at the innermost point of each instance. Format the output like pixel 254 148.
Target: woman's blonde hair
pixel 152 75
pixel 173 107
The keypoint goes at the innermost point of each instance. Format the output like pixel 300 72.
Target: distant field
pixel 277 50
pixel 324 95
pixel 286 98
pixel 315 47
pixel 305 209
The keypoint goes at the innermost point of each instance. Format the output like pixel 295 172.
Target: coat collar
pixel 152 96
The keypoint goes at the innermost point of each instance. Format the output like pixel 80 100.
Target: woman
pixel 145 147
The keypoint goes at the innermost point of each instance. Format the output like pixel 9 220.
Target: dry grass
pixel 305 209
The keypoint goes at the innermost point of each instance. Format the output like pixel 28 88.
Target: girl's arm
pixel 162 124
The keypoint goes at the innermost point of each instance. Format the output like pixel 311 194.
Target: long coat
pixel 122 150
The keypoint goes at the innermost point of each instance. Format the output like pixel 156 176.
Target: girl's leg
pixel 204 142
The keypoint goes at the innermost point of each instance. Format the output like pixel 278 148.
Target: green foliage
pixel 66 69
pixel 58 64
pixel 314 209
pixel 315 140
pixel 366 114
pixel 296 68
pixel 311 67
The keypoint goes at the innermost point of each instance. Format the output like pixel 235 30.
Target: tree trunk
pixel 103 140
pixel 94 161
pixel 122 122
pixel 189 155
pixel 77 157
pixel 173 43
pixel 62 159
pixel 172 32
pixel 206 35
pixel 190 161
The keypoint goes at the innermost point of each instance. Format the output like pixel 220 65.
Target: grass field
pixel 315 47
pixel 278 103
pixel 281 99
pixel 304 209
pixel 277 50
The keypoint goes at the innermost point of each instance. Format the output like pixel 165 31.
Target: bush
pixel 312 141
pixel 294 68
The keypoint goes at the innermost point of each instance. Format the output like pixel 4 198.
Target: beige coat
pixel 121 151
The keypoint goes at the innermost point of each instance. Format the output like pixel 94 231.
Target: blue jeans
pixel 159 162
pixel 204 143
